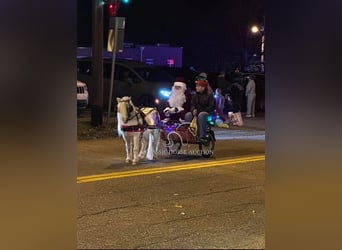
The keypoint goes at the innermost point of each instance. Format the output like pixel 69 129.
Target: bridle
pixel 131 111
pixel 145 114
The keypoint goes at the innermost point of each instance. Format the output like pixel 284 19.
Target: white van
pixel 82 96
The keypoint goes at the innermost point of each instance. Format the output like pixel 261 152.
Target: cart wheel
pixel 207 150
pixel 173 145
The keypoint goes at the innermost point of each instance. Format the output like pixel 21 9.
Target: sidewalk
pixel 256 123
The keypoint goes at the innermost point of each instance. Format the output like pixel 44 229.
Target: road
pixel 181 202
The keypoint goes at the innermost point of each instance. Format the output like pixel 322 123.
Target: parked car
pixel 82 96
pixel 145 84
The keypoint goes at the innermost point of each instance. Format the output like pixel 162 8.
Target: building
pixel 159 54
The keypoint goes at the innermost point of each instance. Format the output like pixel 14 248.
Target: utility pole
pixel 115 43
pixel 97 64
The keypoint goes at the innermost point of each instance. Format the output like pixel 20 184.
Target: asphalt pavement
pixel 95 154
pixel 156 204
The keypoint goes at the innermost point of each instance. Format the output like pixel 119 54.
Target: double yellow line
pixel 123 174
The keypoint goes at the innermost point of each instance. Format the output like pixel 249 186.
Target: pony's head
pixel 151 116
pixel 125 108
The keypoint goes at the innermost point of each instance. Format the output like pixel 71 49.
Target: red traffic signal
pixel 113 9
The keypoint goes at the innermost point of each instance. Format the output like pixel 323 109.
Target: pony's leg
pixel 127 147
pixel 135 142
pixel 153 145
pixel 156 142
pixel 143 146
pixel 150 153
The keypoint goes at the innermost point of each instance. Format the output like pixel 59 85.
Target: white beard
pixel 177 98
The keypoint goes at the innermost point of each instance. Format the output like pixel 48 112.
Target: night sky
pixel 213 35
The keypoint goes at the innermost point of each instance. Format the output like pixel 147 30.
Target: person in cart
pixel 179 102
pixel 202 105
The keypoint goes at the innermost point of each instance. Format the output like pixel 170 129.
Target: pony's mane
pixel 126 98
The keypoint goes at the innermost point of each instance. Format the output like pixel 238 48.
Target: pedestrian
pixel 222 83
pixel 235 75
pixel 251 96
pixel 178 103
pixel 220 102
pixel 234 116
pixel 236 91
pixel 202 105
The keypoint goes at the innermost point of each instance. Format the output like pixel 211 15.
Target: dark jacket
pixel 237 92
pixel 203 102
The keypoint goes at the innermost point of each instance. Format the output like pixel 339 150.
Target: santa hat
pixel 202 82
pixel 179 84
pixel 180 79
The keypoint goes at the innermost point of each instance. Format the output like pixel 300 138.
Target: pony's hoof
pixel 134 163
pixel 127 160
pixel 153 158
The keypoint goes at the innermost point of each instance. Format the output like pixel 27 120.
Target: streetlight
pixel 255 29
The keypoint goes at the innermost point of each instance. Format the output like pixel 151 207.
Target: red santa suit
pixel 179 102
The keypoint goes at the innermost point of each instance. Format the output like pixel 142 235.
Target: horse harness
pixel 143 115
pixel 140 127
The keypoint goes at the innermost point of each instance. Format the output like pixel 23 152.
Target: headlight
pixel 165 93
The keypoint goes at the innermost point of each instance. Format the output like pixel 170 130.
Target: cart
pixel 178 134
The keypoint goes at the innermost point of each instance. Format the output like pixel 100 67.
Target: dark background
pixel 214 35
pixel 38 140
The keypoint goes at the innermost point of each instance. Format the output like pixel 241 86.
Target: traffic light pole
pixel 97 65
pixel 113 69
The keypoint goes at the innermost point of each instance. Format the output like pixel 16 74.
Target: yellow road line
pixel 122 174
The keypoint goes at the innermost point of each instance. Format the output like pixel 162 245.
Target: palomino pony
pixel 138 126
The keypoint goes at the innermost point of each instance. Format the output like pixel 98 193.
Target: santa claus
pixel 179 102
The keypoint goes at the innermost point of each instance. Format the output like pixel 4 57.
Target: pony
pixel 150 138
pixel 130 126
pixel 138 126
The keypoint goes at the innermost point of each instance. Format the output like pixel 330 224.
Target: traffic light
pixel 113 7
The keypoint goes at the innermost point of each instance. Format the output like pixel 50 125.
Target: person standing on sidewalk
pixel 251 96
